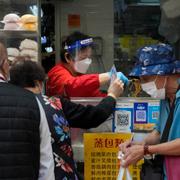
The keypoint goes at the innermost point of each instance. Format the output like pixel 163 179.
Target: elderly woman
pixel 25 140
pixel 159 80
pixel 63 114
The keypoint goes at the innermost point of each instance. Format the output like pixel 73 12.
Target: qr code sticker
pixel 123 118
pixel 140 116
pixel 155 115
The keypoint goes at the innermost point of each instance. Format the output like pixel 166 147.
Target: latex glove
pixel 123 78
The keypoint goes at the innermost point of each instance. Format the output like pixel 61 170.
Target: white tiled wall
pixel 97 19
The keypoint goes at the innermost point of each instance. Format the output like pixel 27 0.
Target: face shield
pixel 81 53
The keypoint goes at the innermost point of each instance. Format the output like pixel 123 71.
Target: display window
pixel 19 28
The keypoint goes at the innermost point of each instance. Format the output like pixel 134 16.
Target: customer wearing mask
pixel 160 79
pixel 63 114
pixel 25 141
pixel 69 77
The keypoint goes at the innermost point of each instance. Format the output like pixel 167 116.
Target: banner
pixel 100 156
pixel 136 116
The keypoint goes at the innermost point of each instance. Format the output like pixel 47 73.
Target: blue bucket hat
pixel 155 60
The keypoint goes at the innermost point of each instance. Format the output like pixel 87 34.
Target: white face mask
pixel 83 65
pixel 151 89
pixel 159 93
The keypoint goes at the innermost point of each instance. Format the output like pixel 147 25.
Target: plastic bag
pixel 123 171
pixel 113 74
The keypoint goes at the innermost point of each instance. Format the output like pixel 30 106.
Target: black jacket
pixel 19 134
pixel 86 117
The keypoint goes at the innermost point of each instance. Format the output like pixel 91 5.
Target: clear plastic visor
pixel 81 49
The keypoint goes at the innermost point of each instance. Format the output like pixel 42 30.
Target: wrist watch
pixel 146 149
pixel 147 154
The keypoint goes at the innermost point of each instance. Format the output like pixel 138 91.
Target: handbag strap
pixel 169 121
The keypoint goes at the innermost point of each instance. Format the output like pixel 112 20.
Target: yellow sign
pixel 130 43
pixel 100 156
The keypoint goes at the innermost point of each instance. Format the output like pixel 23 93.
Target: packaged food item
pixel 29 22
pixel 29 48
pixel 11 22
pixel 11 18
pixel 12 53
pixel 28 44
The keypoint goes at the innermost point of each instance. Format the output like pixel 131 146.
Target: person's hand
pixel 133 154
pixel 123 147
pixel 122 77
pixel 116 88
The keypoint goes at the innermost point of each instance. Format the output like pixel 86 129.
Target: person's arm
pixel 168 148
pixel 83 86
pixel 104 78
pixel 151 138
pixel 46 170
pixel 91 116
pixel 136 152
pixel 88 116
pixel 61 81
